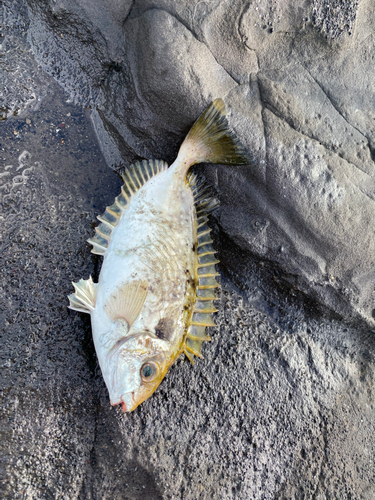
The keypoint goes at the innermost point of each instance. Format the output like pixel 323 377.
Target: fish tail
pixel 211 141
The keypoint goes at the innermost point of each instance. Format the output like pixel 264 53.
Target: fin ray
pixel 134 177
pixel 127 301
pixel 211 141
pixel 194 346
pixel 198 333
pixel 189 355
pixel 83 298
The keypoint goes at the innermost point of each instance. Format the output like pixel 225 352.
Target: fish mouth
pixel 126 401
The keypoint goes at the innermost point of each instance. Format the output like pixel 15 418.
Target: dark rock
pixel 22 84
pixel 282 405
pixel 334 18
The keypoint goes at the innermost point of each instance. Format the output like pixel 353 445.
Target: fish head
pixel 135 369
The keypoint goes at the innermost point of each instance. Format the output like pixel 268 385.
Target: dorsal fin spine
pixel 105 221
pixel 208 275
pixel 207 309
pixel 140 171
pixel 110 217
pixel 129 182
pixel 135 177
pixel 198 332
pixel 111 211
pixel 203 243
pixel 205 248
pixel 121 201
pixel 95 250
pixel 202 221
pixel 208 287
pixel 203 233
pixel 95 242
pixel 118 203
pixel 189 355
pixel 205 264
pixel 204 294
pixel 191 349
pixel 100 240
pixel 100 232
pixel 207 253
pixel 125 194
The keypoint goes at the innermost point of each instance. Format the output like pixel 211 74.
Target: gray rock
pixel 22 84
pixel 301 102
pixel 334 18
pixel 48 201
pixel 282 404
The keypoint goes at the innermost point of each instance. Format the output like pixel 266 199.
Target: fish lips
pixel 127 402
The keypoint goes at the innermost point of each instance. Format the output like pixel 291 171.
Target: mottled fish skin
pixel 159 252
pixel 155 292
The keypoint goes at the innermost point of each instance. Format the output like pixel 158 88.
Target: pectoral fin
pixel 127 301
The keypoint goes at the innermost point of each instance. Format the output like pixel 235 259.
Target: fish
pixel 157 285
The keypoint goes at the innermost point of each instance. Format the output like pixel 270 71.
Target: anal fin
pixel 206 276
pixel 193 346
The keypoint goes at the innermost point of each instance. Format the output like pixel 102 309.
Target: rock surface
pixel 282 406
pixel 297 79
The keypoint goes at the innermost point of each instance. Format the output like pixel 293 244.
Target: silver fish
pixel 156 288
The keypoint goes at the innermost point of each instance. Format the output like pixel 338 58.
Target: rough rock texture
pixel 23 85
pixel 297 79
pixel 282 406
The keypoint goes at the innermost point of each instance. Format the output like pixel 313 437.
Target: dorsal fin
pixel 83 299
pixel 203 201
pixel 134 177
pixel 206 271
pixel 127 301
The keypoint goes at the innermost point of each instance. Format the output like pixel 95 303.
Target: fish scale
pixel 157 286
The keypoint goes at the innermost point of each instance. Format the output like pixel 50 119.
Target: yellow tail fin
pixel 211 141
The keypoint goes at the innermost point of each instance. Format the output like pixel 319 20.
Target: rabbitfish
pixel 156 288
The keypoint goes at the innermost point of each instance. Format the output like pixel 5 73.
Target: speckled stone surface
pixel 282 405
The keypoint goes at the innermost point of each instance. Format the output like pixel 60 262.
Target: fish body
pixel 159 253
pixel 156 288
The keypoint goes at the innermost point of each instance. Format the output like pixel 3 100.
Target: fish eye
pixel 149 371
